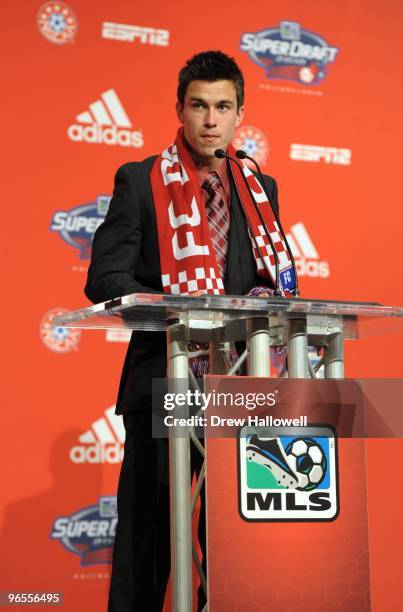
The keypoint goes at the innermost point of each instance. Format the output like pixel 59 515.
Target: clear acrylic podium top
pixel 152 311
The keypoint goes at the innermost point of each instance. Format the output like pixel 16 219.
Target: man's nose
pixel 210 118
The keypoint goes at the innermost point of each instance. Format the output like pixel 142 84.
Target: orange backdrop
pixel 63 67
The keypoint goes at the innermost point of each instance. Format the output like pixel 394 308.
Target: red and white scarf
pixel 187 257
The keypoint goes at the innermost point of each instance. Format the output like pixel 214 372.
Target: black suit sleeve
pixel 116 245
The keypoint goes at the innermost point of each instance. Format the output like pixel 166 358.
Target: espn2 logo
pixel 287 476
pixel 314 153
pixel 131 33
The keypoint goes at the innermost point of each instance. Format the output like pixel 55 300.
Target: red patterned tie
pixel 218 219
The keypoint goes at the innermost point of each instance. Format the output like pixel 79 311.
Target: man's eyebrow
pixel 195 99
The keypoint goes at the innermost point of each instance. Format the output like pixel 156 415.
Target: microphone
pixel 243 155
pixel 220 153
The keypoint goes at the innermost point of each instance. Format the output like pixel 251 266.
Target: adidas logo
pixel 307 258
pixel 106 122
pixel 103 442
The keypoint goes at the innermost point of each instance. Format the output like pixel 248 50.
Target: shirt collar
pixel 221 170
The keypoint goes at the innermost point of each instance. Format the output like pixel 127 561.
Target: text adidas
pixel 105 135
pixel 312 268
pixel 97 453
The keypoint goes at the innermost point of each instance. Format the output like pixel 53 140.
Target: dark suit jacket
pixel 126 259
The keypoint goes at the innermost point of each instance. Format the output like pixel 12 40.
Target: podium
pixel 220 321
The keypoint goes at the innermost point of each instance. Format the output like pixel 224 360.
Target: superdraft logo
pixel 102 442
pixel 105 122
pixel 290 52
pixel 77 226
pixel 57 23
pixel 89 532
pixel 286 476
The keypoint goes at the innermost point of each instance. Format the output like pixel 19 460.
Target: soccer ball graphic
pixel 306 75
pixel 308 461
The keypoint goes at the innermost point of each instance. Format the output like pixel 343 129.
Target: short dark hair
pixel 211 66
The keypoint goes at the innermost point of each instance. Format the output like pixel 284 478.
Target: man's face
pixel 209 116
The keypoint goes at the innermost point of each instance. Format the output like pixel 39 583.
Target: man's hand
pixel 197 293
pixel 264 292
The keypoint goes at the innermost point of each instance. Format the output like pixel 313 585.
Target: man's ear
pixel 179 111
pixel 239 117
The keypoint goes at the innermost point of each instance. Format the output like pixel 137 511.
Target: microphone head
pixel 241 154
pixel 220 153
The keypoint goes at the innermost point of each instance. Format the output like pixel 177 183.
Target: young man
pixel 175 224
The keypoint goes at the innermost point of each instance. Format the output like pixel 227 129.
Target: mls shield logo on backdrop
pixel 288 477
